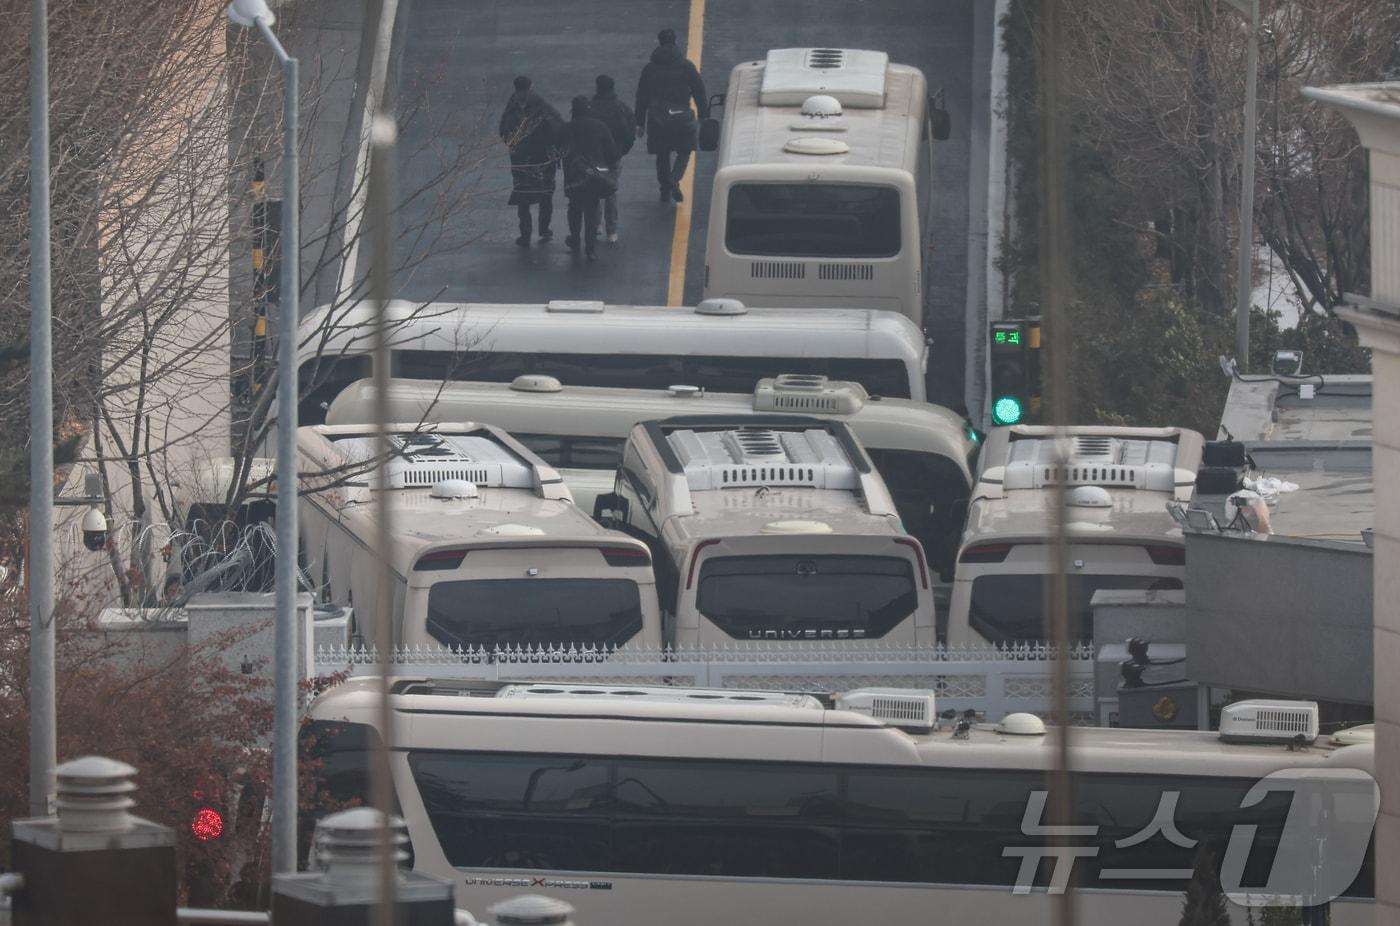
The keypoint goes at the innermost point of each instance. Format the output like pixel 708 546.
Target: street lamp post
pixel 1250 9
pixel 255 13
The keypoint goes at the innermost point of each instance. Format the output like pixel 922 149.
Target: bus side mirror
pixel 940 126
pixel 610 510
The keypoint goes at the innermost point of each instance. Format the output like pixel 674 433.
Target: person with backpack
pixel 667 85
pixel 530 129
pixel 617 116
pixel 590 168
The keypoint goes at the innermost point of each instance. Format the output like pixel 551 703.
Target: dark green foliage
pixel 1205 903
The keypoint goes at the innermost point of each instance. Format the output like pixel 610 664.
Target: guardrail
pixel 991 680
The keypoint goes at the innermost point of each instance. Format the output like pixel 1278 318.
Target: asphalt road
pixel 453 64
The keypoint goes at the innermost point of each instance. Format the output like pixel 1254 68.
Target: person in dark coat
pixel 617 116
pixel 530 129
pixel 585 143
pixel 668 83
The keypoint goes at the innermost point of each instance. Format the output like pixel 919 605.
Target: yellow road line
pixel 680 240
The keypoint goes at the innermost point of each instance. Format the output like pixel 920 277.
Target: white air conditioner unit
pixel 1269 722
pixel 906 708
pixel 808 394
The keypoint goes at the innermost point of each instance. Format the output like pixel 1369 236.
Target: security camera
pixel 94 529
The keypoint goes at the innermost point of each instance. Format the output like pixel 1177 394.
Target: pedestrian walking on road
pixel 590 168
pixel 530 129
pixel 668 83
pixel 617 116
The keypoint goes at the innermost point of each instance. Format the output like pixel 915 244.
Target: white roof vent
pixel 425 459
pixel 817 145
pixel 686 392
pixel 721 307
pixel 577 306
pixel 1353 736
pixel 453 488
pixel 1269 722
pixel 1093 460
pixel 639 693
pixel 821 106
pixel 795 527
pixel 536 382
pixel 511 530
pixel 853 77
pixel 1090 497
pixel 1021 724
pixel 907 708
pixel 746 457
pixel 808 394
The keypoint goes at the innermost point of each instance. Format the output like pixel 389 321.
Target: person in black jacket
pixel 617 116
pixel 530 129
pixel 587 147
pixel 668 83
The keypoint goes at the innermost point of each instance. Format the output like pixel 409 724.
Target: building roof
pixel 1321 444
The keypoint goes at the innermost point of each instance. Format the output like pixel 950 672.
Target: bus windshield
pixel 813 220
pixel 1011 608
pixel 807 597
pixel 534 612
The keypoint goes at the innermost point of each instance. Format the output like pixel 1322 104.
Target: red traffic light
pixel 207 824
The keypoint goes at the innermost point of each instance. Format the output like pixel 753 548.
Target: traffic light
pixel 1011 374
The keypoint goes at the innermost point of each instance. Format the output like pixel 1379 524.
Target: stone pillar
pixel 344 893
pixel 93 862
pixel 1374 110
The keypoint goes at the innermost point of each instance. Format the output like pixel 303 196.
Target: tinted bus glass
pixel 813 220
pixel 574 452
pixel 1011 608
pixel 880 376
pixel 806 597
pixel 745 819
pixel 534 612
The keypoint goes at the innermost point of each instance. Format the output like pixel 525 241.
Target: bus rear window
pixel 813 220
pixel 490 613
pixel 807 597
pixel 1011 608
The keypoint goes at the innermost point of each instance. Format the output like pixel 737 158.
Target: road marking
pixel 680 239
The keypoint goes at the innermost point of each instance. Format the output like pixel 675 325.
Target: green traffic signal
pixel 1007 410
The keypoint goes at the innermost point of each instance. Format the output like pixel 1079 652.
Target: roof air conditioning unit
pixel 1269 722
pixel 906 708
pixel 808 394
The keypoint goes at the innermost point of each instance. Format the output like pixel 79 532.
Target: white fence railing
pixel 993 681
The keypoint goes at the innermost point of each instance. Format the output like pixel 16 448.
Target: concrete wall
pixel 1156 616
pixel 1279 615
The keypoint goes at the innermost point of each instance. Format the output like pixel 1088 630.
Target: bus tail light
pixel 440 560
pixel 695 561
pixel 913 544
pixel 626 556
pixel 985 553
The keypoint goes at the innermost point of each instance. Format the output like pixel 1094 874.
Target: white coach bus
pixel 1119 482
pixel 488 549
pixel 823 191
pixel 694 807
pixel 766 528
pixel 718 345
pixel 924 453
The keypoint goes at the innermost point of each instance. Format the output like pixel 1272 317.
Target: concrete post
pixel 94 855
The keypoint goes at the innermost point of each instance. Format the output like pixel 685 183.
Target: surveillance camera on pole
pixel 94 529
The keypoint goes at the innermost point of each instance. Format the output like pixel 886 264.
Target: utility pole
pixel 1249 9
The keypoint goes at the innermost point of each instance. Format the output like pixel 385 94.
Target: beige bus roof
pixel 887 136
pixel 1138 470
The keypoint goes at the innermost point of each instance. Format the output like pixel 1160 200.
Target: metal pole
pixel 1055 274
pixel 383 147
pixel 284 714
pixel 1245 282
pixel 43 721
